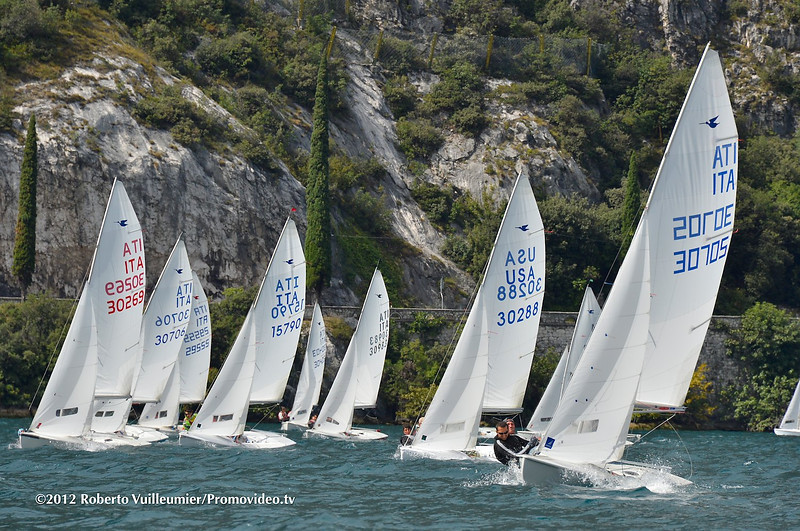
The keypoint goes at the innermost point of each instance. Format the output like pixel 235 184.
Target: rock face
pixel 230 213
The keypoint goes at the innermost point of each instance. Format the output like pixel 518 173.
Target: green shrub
pixel 418 138
pixel 401 96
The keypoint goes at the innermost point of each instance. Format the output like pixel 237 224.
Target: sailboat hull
pixel 414 452
pixel 145 434
pixel 541 470
pixel 784 431
pixel 254 440
pixel 353 434
pixel 29 439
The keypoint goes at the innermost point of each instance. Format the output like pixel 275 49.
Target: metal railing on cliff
pixel 400 51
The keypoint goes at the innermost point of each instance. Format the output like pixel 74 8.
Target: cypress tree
pixel 318 234
pixel 25 234
pixel 632 202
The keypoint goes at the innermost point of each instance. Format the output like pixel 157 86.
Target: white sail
pixel 588 314
pixel 66 405
pixel 513 289
pixel 112 297
pixel 195 354
pixel 491 361
pixel 278 317
pixel 224 411
pixel 791 418
pixel 119 299
pixel 690 215
pixel 451 422
pixel 164 325
pixel 189 375
pixel 310 382
pixel 591 422
pixel 371 339
pixel 336 414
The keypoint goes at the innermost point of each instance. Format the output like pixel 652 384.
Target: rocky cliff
pixel 231 212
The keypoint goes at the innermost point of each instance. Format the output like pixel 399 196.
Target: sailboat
pixel 275 315
pixel 357 382
pixel 166 317
pixel 187 379
pixel 489 369
pixel 647 341
pixel 789 423
pixel 310 382
pixel 105 327
pixel 588 314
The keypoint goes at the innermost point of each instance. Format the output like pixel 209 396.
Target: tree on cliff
pixel 318 234
pixel 25 234
pixel 631 204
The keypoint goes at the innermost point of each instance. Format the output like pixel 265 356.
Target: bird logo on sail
pixel 290 261
pixel 523 228
pixel 179 270
pixel 123 222
pixel 712 123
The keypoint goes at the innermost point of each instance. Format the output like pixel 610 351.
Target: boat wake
pixel 507 475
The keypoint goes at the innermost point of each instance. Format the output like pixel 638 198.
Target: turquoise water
pixel 741 480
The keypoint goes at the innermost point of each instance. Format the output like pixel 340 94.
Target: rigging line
pixel 61 337
pixel 267 413
pixel 688 455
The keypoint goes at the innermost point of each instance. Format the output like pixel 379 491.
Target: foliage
pixel 459 93
pixel 25 233
pixel 188 123
pixel 31 332
pixel 418 138
pixel 345 173
pixel 227 316
pixel 399 57
pixel 765 347
pixel 630 208
pixel 401 96
pixel 580 236
pixel 700 406
pixel 318 234
pixel 435 201
pixel 480 221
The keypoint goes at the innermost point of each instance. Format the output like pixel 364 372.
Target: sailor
pixel 406 438
pixel 507 446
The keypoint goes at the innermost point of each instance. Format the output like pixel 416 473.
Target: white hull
pixel 28 439
pixel 145 434
pixel 541 470
pixel 116 440
pixel 795 432
pixel 413 452
pixel 288 425
pixel 354 434
pixel 254 440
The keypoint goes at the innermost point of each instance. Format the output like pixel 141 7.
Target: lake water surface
pixel 741 481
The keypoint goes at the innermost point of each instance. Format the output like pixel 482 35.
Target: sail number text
pixel 521 282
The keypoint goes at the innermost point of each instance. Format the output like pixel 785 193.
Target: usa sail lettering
pixel 133 281
pixel 287 304
pixel 521 282
pixel 696 230
pixel 378 342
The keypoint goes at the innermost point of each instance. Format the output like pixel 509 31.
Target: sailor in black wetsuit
pixel 507 446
